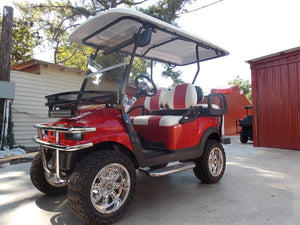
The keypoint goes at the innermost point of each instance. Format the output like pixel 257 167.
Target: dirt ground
pixel 260 186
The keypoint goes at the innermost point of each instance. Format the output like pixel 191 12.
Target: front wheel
pixel 210 166
pixel 102 187
pixel 44 181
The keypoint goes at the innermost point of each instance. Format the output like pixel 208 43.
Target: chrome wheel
pixel 215 162
pixel 110 188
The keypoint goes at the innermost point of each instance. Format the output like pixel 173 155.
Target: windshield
pixel 107 79
pixel 105 72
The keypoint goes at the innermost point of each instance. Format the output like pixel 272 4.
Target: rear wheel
pixel 243 139
pixel 102 187
pixel 210 166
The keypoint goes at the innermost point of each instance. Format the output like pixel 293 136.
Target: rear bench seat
pixel 181 97
pixel 165 128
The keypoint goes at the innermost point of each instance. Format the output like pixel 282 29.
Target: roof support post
pixel 198 63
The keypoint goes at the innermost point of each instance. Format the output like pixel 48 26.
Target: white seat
pixel 162 121
pixel 180 97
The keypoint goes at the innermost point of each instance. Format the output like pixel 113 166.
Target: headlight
pixel 70 136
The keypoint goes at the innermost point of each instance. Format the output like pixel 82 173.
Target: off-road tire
pixel 202 171
pixel 243 139
pixel 37 176
pixel 79 188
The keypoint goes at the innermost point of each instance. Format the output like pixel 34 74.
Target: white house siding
pixel 29 103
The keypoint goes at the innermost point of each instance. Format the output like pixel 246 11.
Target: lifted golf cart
pixel 93 152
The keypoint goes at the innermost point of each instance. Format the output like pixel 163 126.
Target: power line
pixel 202 7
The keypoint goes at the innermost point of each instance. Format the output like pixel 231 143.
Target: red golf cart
pixel 93 151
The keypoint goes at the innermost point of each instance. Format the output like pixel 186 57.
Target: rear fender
pixel 209 133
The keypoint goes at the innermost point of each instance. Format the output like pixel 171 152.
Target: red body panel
pixel 107 121
pixel 110 128
pixel 177 136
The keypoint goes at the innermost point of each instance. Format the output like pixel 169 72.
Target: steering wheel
pixel 144 110
pixel 145 85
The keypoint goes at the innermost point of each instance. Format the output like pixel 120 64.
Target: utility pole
pixel 5 49
pixel 5 57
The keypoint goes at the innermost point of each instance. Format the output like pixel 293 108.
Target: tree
pixel 166 10
pixel 243 85
pixel 24 39
pixel 56 19
pixel 174 75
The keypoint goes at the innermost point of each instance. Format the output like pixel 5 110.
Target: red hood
pixel 93 116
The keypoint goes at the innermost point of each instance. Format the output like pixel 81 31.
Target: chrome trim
pixel 73 130
pixel 57 169
pixel 61 147
pixel 168 170
pixel 57 131
pixel 44 160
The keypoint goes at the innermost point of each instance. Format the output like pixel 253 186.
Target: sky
pixel 246 28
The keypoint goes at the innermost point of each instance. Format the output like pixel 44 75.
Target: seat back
pixel 182 96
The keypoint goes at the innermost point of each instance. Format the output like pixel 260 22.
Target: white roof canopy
pixel 169 43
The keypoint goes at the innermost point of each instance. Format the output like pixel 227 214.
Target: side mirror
pixel 145 37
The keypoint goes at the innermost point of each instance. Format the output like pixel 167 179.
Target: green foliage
pixel 166 10
pixel 56 19
pixel 24 39
pixel 73 55
pixel 243 85
pixel 9 139
pixel 174 75
pixel 139 67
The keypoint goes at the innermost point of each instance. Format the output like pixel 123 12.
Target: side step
pixel 168 170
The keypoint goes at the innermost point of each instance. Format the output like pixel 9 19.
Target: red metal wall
pixel 276 100
pixel 235 101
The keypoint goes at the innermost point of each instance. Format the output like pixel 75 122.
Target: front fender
pixel 117 137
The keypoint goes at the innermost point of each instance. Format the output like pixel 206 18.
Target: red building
pixel 235 101
pixel 276 99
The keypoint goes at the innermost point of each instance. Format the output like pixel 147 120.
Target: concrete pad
pixel 260 186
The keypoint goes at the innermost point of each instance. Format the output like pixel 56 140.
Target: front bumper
pixel 61 147
pixel 57 130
